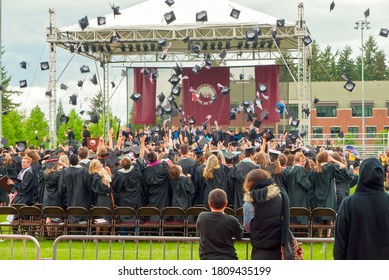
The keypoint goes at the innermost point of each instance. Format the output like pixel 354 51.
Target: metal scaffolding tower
pixel 303 74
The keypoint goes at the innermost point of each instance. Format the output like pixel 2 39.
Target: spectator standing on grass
pixel 362 223
pixel 216 229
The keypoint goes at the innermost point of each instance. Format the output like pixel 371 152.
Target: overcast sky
pixel 24 25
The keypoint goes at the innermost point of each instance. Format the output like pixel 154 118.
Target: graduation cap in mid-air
pixel 94 79
pixel 64 87
pixel 115 10
pixel 64 119
pixel 84 69
pixel 21 146
pixel 268 133
pixel 23 83
pixel 84 22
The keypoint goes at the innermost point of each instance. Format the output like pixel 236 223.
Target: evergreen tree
pixel 97 104
pixel 328 65
pixel 36 127
pixel 370 49
pixel 380 69
pixel 346 64
pixel 60 112
pixel 316 69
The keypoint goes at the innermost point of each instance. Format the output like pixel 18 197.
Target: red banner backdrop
pixel 144 108
pixel 200 90
pixel 268 74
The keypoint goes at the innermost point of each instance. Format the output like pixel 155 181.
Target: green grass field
pixel 79 250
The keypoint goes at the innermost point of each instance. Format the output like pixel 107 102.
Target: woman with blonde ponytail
pixel 101 183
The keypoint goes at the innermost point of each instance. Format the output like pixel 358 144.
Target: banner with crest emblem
pixel 207 93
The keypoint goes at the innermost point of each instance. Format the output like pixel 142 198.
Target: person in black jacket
pixel 264 210
pixel 362 222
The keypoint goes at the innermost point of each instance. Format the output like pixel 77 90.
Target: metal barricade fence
pixel 23 238
pixel 180 242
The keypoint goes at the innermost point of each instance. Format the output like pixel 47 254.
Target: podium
pixel 92 143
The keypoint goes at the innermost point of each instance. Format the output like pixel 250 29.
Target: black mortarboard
pixel 174 80
pixel 316 100
pixel 94 118
pixel 21 146
pixel 4 142
pixel 231 157
pixel 248 117
pixel 135 96
pixel 23 83
pixel 249 151
pixel 232 116
pixel 84 23
pixel 84 69
pixel 73 99
pixel 23 64
pixel 161 97
pixel 303 132
pixel 295 123
pixel 257 123
pixel 196 69
pixel 111 160
pixel 64 119
pixel 225 90
pixel 50 163
pixel 64 87
pixel 264 114
pixel 191 120
pixel 126 150
pixel 80 83
pixel 269 134
pixel 341 134
pixel 45 66
pixel 82 112
pixel 294 135
pixel 135 150
pixel 116 10
pixel 274 153
pixel 94 79
pixel 176 90
pixel 177 69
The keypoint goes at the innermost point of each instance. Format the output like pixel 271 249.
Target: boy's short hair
pixel 217 199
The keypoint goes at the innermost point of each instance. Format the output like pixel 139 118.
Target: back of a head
pixel 73 160
pixel 217 199
pixel 371 175
pixel 184 149
pixel 83 152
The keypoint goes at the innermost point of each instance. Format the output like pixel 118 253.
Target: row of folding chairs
pixel 304 222
pixel 52 221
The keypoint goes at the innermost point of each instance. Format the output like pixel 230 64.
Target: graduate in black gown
pixel 25 184
pixel 9 169
pixel 182 188
pixel 127 184
pixel 101 184
pixel 187 163
pixel 74 186
pixel 237 175
pixel 215 176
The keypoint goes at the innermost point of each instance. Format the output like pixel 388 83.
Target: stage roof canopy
pixel 138 30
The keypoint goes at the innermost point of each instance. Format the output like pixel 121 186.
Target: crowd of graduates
pixel 172 166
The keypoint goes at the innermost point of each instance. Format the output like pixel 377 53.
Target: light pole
pixel 1 81
pixel 362 25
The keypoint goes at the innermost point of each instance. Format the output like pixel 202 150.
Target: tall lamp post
pixel 1 81
pixel 362 25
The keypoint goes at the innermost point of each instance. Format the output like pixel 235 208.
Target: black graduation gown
pixel 199 183
pixel 9 170
pixel 219 181
pixel 280 178
pixel 127 186
pixel 51 194
pixel 25 188
pixel 188 166
pixel 38 187
pixel 299 190
pixel 182 192
pixel 236 177
pixel 156 185
pixel 75 188
pixel 102 192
